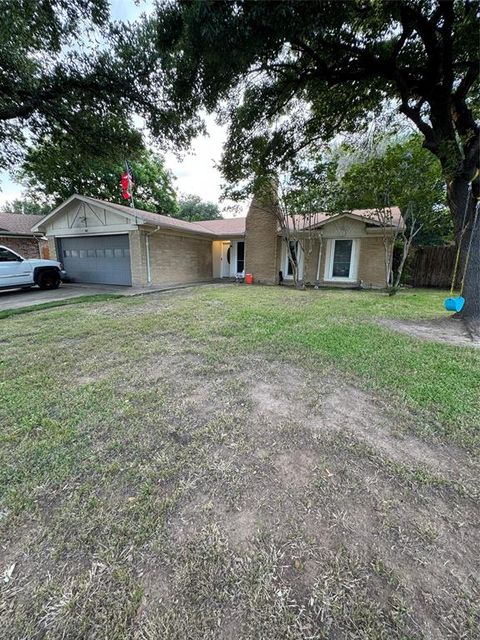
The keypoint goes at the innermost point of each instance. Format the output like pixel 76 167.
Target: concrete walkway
pixel 16 298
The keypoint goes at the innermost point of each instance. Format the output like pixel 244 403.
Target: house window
pixel 342 258
pixel 240 256
pixel 342 263
pixel 291 255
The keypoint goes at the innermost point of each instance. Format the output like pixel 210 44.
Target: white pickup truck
pixel 18 272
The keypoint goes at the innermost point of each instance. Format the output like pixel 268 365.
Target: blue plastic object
pixel 454 304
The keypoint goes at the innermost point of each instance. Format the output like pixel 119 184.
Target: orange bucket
pixel 248 278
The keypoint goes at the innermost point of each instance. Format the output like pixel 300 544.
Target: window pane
pixel 91 253
pixel 7 256
pixel 342 258
pixel 240 256
pixel 109 253
pixel 83 253
pixel 118 253
pixel 292 255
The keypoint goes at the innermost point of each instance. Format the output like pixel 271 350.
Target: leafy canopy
pixel 52 174
pixel 404 174
pixel 64 71
pixel 193 209
pixel 26 206
pixel 287 74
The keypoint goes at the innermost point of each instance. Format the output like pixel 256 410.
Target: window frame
pixel 286 260
pixel 237 271
pixel 354 256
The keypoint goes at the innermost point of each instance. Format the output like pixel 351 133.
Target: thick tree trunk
pixel 459 199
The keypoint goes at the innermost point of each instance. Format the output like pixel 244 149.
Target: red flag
pixel 126 185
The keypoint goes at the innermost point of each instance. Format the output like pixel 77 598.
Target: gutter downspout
pixel 147 251
pixel 317 282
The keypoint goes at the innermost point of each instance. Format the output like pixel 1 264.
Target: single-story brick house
pixel 103 242
pixel 16 233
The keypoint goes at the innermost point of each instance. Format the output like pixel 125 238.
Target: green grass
pixel 146 492
pixel 339 328
pixel 100 297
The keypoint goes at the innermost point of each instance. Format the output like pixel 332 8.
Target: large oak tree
pixel 287 74
pixel 65 72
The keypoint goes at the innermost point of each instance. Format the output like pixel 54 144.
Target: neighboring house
pixel 16 233
pixel 103 242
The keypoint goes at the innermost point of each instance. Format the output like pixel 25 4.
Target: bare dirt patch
pixel 447 330
pixel 328 485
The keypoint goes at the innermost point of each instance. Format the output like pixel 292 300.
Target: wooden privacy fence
pixel 433 267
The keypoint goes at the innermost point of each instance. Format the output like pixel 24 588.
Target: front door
pixel 225 267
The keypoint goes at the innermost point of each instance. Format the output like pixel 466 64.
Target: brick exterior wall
pixel 52 249
pixel 261 243
pixel 26 246
pixel 371 266
pixel 311 263
pixel 174 259
pixel 138 260
pixel 177 259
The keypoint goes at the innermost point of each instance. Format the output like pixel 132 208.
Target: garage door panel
pixel 97 259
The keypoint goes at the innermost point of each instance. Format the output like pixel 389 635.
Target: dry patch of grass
pixel 177 476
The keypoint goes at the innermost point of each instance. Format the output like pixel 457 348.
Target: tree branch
pixel 467 81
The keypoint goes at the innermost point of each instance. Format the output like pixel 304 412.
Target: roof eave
pixel 173 227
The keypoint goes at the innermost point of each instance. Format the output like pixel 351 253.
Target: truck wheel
pixel 49 279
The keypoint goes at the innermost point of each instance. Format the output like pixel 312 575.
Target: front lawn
pixel 237 462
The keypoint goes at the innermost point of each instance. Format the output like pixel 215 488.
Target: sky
pixel 195 173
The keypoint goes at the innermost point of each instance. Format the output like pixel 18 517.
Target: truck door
pixel 13 269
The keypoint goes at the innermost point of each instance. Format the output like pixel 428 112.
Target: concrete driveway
pixel 16 298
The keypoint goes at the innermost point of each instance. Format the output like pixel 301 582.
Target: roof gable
pixel 371 217
pixel 136 216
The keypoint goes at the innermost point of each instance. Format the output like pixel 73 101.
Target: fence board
pixel 433 266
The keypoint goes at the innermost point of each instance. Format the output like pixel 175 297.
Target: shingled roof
pixel 223 228
pixel 17 224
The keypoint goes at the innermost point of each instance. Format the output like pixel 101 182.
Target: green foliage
pixel 193 208
pixel 53 173
pixel 401 173
pixel 287 74
pixel 27 206
pixel 62 75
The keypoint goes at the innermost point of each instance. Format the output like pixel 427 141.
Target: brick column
pixel 261 259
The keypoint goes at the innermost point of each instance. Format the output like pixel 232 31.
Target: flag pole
pixel 127 167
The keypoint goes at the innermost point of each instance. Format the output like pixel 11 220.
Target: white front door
pixel 226 259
